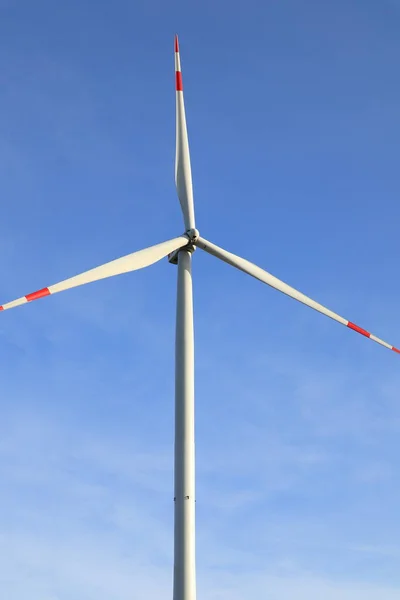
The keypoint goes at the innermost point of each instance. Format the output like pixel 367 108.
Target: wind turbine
pixel 179 251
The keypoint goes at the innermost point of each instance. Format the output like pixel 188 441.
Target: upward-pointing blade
pixel 183 172
pixel 252 269
pixel 130 262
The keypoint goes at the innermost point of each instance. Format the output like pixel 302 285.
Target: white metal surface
pixel 184 521
pixel 177 57
pixel 125 264
pixel 265 277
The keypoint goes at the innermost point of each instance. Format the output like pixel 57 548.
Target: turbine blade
pixel 125 264
pixel 183 173
pixel 251 269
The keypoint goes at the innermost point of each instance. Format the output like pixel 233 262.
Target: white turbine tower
pixel 179 250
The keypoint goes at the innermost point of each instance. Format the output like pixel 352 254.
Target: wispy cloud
pixel 297 420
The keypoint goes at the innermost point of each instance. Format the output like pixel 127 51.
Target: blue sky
pixel 293 121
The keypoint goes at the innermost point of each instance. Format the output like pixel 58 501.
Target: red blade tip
pixel 176 44
pixel 355 327
pixel 39 294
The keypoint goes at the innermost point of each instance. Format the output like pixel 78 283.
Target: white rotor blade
pixel 251 269
pixel 183 173
pixel 125 264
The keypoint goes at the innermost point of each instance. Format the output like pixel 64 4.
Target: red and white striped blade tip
pixel 125 264
pixel 183 171
pixel 262 275
pixel 178 72
pixel 372 337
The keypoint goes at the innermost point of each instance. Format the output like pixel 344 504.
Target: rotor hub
pixel 193 235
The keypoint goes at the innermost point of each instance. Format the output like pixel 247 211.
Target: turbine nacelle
pixel 192 236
